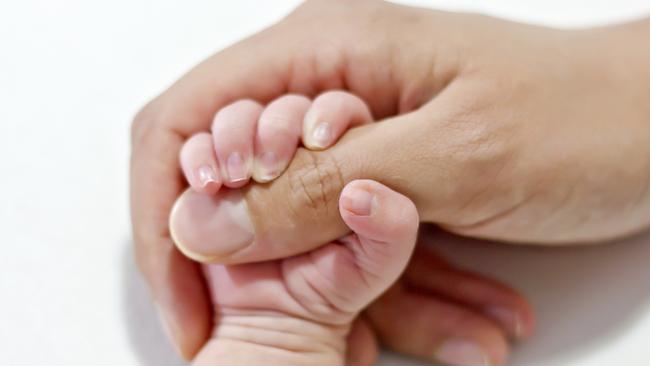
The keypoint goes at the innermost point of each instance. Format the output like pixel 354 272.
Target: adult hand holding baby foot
pixel 482 125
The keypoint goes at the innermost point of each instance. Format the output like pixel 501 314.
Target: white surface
pixel 72 73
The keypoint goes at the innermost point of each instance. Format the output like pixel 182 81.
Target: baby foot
pixel 298 310
pixel 252 141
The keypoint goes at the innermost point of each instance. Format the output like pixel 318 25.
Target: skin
pixel 299 310
pixel 494 129
pixel 246 128
pixel 274 293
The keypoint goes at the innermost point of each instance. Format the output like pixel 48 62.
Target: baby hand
pixel 298 310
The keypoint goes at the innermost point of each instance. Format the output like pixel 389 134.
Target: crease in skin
pixel 278 324
pixel 225 214
pixel 476 226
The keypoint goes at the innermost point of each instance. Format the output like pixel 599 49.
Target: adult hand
pixel 494 129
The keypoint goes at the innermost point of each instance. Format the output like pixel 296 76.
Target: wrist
pixel 276 339
pixel 633 38
pixel 626 55
pixel 615 60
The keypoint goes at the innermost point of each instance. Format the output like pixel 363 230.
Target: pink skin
pixel 327 287
pixel 299 310
pixel 257 291
pixel 278 135
pixel 233 131
pixel 249 140
pixel 331 114
pixel 199 164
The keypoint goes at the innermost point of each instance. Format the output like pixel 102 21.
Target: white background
pixel 72 74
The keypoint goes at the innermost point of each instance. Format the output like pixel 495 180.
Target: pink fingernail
pixel 236 168
pixel 322 135
pixel 206 175
pixel 357 201
pixel 458 352
pixel 206 228
pixel 267 166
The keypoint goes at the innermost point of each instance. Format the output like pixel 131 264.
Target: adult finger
pixel 430 328
pixel 362 348
pixel 486 296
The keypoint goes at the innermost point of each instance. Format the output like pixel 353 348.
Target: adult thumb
pixel 298 211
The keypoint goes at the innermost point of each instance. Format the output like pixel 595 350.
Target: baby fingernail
pixel 207 228
pixel 319 134
pixel 206 175
pixel 322 135
pixel 267 167
pixel 357 201
pixel 458 352
pixel 236 168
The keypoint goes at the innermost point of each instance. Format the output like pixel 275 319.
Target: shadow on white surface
pixel 584 297
pixel 145 333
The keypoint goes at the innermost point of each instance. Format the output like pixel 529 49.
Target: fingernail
pixel 236 168
pixel 207 228
pixel 509 318
pixel 458 352
pixel 267 167
pixel 321 135
pixel 206 175
pixel 357 201
pixel 168 327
